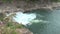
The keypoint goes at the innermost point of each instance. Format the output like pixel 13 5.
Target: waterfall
pixel 24 18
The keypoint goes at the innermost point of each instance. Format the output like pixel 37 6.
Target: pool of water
pixel 53 27
pixel 44 21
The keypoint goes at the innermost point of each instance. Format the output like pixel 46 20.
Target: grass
pixel 55 0
pixel 14 25
pixel 11 1
pixel 9 27
pixel 4 1
pixel 7 30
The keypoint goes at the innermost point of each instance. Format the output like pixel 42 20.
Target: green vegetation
pixel 4 1
pixel 5 30
pixel 55 0
pixel 43 0
pixel 14 25
pixel 31 0
pixel 1 16
pixel 7 27
pixel 10 28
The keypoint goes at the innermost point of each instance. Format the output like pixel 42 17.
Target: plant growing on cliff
pixel 5 1
pixel 8 27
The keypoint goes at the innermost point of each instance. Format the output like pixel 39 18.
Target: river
pixel 52 26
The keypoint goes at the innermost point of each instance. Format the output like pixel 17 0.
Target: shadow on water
pixel 53 27
pixel 40 13
pixel 39 28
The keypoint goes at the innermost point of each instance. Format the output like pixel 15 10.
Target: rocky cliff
pixel 26 6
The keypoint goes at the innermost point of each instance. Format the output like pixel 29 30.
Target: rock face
pixel 23 31
pixel 24 6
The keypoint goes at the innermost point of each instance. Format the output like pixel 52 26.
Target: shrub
pixel 4 1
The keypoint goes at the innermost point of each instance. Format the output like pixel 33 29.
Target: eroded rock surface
pixel 23 31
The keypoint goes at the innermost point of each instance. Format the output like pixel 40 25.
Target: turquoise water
pixel 53 27
pixel 43 21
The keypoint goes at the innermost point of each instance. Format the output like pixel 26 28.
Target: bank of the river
pixel 15 7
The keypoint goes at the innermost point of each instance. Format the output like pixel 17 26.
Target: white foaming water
pixel 24 18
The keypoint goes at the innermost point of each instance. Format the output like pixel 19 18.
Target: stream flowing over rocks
pixel 37 27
